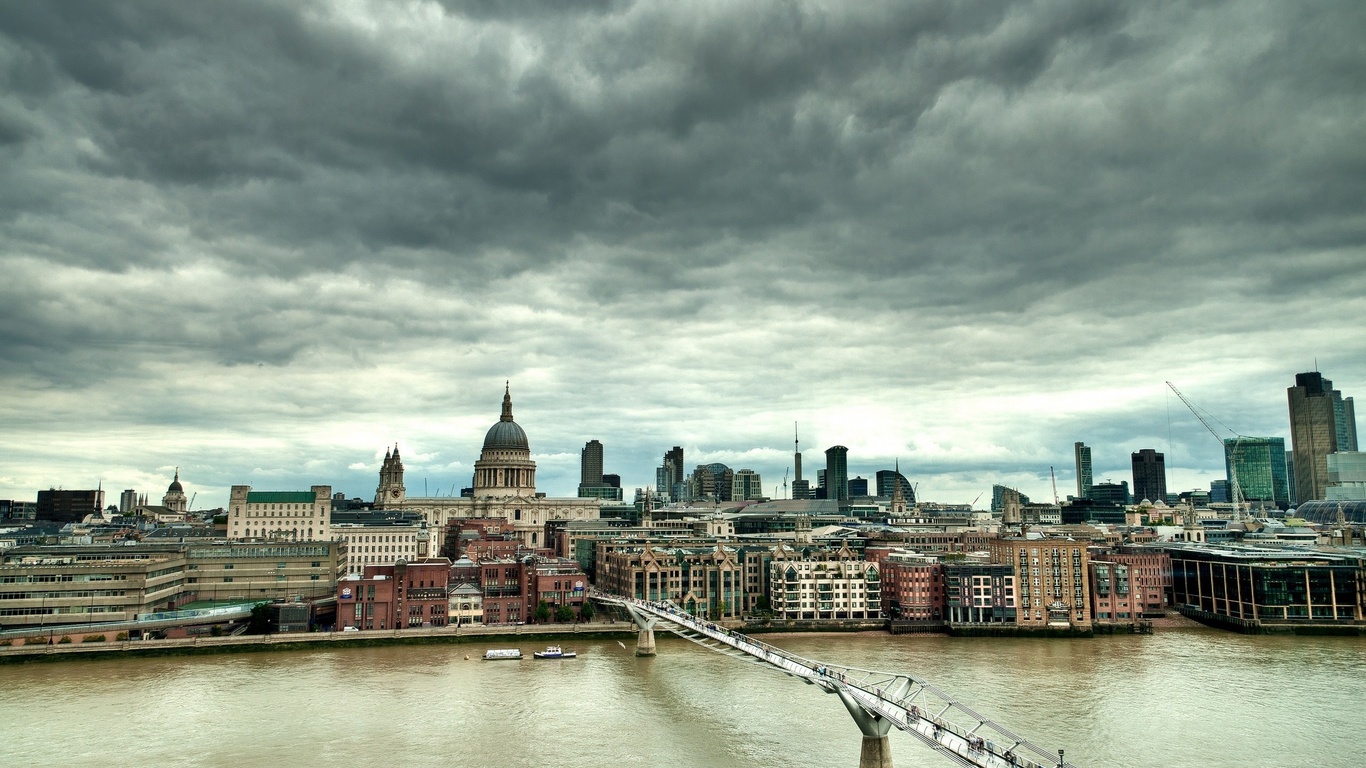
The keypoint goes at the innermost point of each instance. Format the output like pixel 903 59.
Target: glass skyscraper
pixel 1261 470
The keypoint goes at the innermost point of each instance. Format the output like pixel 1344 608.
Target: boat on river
pixel 554 652
pixel 503 654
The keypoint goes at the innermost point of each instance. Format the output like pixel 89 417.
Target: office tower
pixel 1150 475
pixel 858 486
pixel 1346 476
pixel 590 465
pixel 127 501
pixel 888 480
pixel 69 506
pixel 796 456
pixel 837 472
pixel 1290 473
pixel 1111 493
pixel 1261 470
pixel 999 494
pixel 1218 491
pixel 1322 421
pixel 678 479
pixel 1083 457
pixel 746 484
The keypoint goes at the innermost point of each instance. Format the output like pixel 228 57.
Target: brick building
pixel 396 596
pixel 1052 579
pixel 912 587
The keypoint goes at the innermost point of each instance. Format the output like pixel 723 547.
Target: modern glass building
pixel 1082 453
pixel 1261 470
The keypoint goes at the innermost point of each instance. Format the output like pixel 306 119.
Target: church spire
pixel 507 402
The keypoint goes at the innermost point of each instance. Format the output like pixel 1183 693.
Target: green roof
pixel 280 497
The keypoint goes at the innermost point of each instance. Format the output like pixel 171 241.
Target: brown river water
pixel 1187 697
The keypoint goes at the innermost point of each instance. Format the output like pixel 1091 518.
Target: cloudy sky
pixel 263 240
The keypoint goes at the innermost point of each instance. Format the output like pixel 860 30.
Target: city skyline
pixel 960 237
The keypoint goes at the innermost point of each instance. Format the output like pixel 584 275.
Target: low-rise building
pixel 1249 588
pixel 399 596
pixel 827 588
pixel 280 515
pixel 913 587
pixel 43 586
pixel 980 593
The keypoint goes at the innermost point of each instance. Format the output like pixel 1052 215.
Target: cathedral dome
pixel 506 433
pixel 175 486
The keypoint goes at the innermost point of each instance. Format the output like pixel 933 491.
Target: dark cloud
pixel 961 233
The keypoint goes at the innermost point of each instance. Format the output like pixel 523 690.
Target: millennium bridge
pixel 878 701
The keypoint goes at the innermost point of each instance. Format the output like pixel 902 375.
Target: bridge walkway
pixel 949 727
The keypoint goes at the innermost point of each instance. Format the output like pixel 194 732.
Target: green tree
pixel 542 613
pixel 586 611
pixel 564 613
pixel 260 619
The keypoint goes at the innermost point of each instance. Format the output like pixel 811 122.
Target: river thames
pixel 1187 697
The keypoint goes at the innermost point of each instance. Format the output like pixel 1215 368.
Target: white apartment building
pixel 825 589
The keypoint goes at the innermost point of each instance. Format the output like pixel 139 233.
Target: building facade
pixel 504 486
pixel 1259 465
pixel 1082 455
pixel 280 515
pixel 1322 421
pixel 837 473
pixel 835 588
pixel 60 506
pixel 1052 579
pixel 403 595
pixel 1150 475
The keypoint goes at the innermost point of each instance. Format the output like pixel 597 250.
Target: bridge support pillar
pixel 645 638
pixel 645 642
pixel 877 748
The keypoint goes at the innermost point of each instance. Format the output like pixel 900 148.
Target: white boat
pixel 502 654
pixel 554 652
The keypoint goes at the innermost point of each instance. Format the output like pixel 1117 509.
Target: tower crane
pixel 1235 491
pixel 1054 477
pixel 785 471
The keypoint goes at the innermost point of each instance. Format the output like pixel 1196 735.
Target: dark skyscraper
pixel 590 465
pixel 858 486
pixel 1322 421
pixel 837 472
pixel 673 464
pixel 1150 475
pixel 889 479
pixel 1082 454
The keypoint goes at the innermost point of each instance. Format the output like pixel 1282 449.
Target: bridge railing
pixel 912 704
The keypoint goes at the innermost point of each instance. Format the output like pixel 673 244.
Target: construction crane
pixel 1235 492
pixel 785 471
pixel 1055 485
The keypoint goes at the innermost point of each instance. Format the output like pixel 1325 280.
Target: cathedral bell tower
pixel 390 492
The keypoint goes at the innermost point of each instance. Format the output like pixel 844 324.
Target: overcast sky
pixel 262 241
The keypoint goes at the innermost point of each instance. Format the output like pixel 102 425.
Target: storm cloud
pixel 264 240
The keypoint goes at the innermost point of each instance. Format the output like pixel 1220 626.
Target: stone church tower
pixel 390 492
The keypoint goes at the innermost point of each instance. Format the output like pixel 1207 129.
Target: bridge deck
pixel 912 705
